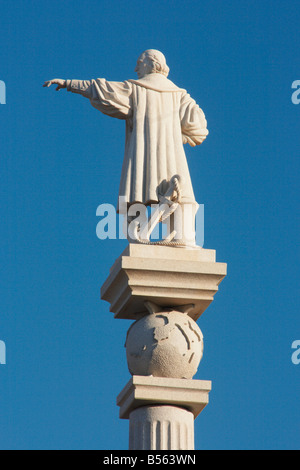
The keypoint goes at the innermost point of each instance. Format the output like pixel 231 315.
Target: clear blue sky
pixel 60 159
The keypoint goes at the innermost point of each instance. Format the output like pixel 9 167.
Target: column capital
pixel 191 395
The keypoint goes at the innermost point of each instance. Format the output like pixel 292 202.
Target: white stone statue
pixel 160 118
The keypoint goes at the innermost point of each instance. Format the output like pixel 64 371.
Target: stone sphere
pixel 165 344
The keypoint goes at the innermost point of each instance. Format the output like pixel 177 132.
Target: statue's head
pixel 151 61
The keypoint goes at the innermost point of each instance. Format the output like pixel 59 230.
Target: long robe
pixel 160 118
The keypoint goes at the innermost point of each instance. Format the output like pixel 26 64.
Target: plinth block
pixel 167 276
pixel 191 395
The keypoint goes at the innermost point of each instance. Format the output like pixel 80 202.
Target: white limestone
pixel 160 117
pixel 164 344
pixel 161 428
pixel 169 277
pixel 192 395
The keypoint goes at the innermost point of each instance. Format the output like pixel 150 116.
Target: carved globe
pixel 164 344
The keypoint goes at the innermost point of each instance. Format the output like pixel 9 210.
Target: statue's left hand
pixel 56 81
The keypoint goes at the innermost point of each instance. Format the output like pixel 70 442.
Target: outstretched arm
pixel 56 81
pixel 82 87
pixel 111 98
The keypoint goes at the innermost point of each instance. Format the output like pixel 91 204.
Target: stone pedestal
pixel 165 290
pixel 166 276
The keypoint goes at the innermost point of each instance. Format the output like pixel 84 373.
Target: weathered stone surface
pixel 164 344
pixel 167 276
pixel 161 428
pixel 144 391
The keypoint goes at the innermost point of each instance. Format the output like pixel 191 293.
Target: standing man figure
pixel 160 118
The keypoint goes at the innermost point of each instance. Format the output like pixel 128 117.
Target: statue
pixel 160 118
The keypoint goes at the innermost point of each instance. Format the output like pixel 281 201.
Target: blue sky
pixel 60 159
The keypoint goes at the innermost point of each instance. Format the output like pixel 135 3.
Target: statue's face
pixel 143 66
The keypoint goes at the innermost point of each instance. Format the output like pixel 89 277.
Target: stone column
pixel 161 411
pixel 165 290
pixel 161 428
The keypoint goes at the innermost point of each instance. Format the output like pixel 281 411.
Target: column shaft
pixel 161 428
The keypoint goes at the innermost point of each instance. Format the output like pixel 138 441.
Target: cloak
pixel 160 118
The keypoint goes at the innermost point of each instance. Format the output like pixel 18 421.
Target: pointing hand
pixel 56 81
